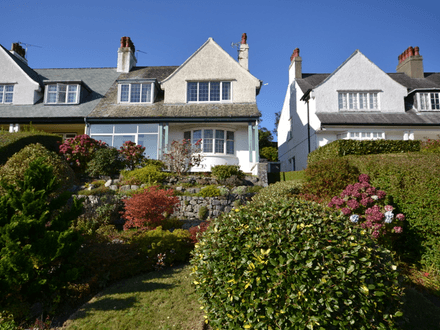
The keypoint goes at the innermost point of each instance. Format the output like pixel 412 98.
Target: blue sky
pixel 79 33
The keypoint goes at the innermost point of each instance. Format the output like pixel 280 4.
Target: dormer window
pixel 429 101
pixel 6 93
pixel 209 91
pixel 363 101
pixel 62 93
pixel 136 93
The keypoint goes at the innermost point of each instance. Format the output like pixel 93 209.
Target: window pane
pixel 352 97
pixel 230 147
pixel 192 92
pixel 9 93
pixel 230 135
pixel 207 140
pixel 71 97
pixel 203 91
pixel 1 88
pixel 435 105
pixel 187 135
pixel 149 141
pixel 208 133
pixel 101 129
pixel 363 101
pixel 197 135
pixel 126 128
pixel 215 91
pixel 226 91
pixel 148 128
pixel 146 92
pixel 220 141
pixel 135 95
pixel 124 93
pixel 51 97
pixel 9 88
pixel 119 140
pixel 104 138
pixel 373 101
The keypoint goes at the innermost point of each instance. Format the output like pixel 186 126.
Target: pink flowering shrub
pixel 133 154
pixel 182 155
pixel 365 205
pixel 78 151
pixel 431 145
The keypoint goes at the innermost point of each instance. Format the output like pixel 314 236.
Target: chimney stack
pixel 411 63
pixel 19 52
pixel 295 68
pixel 243 53
pixel 126 56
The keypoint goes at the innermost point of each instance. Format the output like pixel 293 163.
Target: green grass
pixel 158 300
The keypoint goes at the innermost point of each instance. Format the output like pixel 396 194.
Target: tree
pixel 181 156
pixel 277 121
pixel 267 148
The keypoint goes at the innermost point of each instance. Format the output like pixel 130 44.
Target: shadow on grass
pixel 419 312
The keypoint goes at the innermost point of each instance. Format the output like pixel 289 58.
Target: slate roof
pixel 109 107
pixel 409 118
pixel 31 73
pixel 97 80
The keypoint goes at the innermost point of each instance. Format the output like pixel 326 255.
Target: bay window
pixel 214 141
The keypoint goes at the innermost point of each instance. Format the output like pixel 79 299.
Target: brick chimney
pixel 411 63
pixel 126 58
pixel 18 52
pixel 243 53
pixel 295 68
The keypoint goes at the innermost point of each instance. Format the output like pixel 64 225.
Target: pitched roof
pixel 411 117
pixel 31 73
pixel 98 80
pixel 109 107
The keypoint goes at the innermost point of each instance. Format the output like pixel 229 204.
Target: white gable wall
pixel 358 73
pixel 26 90
pixel 211 63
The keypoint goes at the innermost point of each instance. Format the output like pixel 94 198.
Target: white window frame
pixel 4 93
pixel 358 100
pixel 69 91
pixel 221 99
pixel 361 135
pixel 428 101
pixel 129 96
pixel 213 141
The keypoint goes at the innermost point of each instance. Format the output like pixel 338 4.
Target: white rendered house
pixel 357 101
pixel 210 96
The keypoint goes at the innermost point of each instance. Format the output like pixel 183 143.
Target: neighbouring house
pixel 357 101
pixel 210 97
pixel 52 100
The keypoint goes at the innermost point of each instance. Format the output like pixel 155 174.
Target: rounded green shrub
pixel 17 165
pixel 291 264
pixel 149 174
pixel 106 161
pixel 209 191
pixel 222 172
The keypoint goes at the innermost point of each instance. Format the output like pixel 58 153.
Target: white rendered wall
pixel 211 63
pixel 25 89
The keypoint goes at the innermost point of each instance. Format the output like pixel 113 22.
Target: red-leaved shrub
pixel 197 231
pixel 146 209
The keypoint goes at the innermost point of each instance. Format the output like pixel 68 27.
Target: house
pixel 357 101
pixel 52 100
pixel 210 97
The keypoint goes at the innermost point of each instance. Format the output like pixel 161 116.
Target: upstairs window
pixel 6 93
pixel 62 94
pixel 209 91
pixel 135 93
pixel 429 101
pixel 358 101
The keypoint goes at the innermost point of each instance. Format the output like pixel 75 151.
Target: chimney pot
pixel 416 51
pixel 244 38
pixel 411 63
pixel 411 51
pixel 126 58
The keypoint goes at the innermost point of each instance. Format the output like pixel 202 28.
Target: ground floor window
pixel 363 135
pixel 146 135
pixel 214 141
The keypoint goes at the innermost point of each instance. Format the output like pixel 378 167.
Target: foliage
pixel 270 153
pixel 277 190
pixel 341 148
pixel 146 209
pixel 413 180
pixel 106 161
pixel 222 172
pixel 11 143
pixel 254 189
pixel 265 138
pixel 80 150
pixel 181 156
pixel 16 166
pixel 132 154
pixel 149 174
pixel 292 264
pixel 35 239
pixel 203 212
pixel 292 175
pixel 101 190
pixel 366 206
pixel 430 146
pixel 327 178
pixel 156 162
pixel 209 191
pixel 197 231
